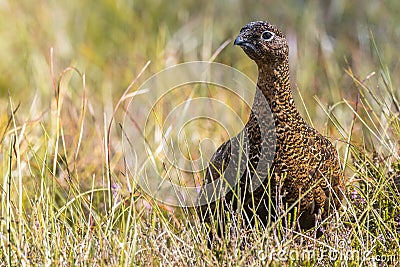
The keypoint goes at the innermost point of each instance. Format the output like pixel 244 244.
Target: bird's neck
pixel 274 83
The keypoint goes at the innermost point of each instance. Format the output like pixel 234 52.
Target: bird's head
pixel 263 42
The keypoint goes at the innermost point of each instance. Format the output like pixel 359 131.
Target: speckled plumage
pixel 305 166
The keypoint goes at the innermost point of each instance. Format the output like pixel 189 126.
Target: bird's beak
pixel 239 40
pixel 243 43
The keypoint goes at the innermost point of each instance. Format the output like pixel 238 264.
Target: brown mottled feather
pixel 303 159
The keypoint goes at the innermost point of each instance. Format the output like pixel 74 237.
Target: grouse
pixel 301 169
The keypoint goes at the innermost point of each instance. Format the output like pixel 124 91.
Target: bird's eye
pixel 267 35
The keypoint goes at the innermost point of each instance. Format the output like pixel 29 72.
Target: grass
pixel 67 197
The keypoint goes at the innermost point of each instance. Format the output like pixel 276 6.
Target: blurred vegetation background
pixel 111 41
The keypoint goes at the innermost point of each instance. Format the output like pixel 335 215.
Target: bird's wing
pixel 218 162
pixel 216 167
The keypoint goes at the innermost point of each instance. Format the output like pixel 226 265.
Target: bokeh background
pixel 109 42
